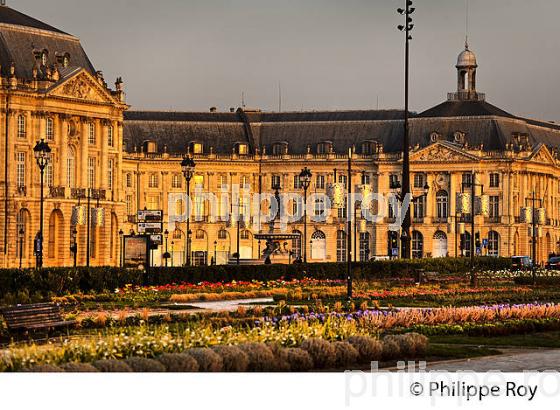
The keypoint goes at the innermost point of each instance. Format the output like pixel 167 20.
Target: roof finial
pixel 467 25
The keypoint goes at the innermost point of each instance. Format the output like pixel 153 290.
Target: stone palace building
pixel 126 160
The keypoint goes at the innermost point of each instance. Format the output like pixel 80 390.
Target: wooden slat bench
pixel 40 316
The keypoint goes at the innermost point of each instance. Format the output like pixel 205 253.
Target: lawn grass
pixel 541 339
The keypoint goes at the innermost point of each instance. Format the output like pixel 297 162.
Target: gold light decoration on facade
pixel 540 214
pixel 464 203
pixel 526 215
pixel 362 223
pixel 483 205
pixel 98 217
pixel 79 215
pixel 335 192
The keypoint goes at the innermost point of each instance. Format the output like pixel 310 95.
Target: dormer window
pixel 280 148
pixel 197 148
pixel 66 60
pixel 242 149
pixel 459 137
pixel 44 58
pixel 369 147
pixel 434 137
pixel 324 147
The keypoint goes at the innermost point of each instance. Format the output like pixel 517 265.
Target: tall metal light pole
pixel 407 222
pixel 350 216
pixel 305 179
pixel 188 166
pixel 166 255
pixel 42 153
pixel 74 245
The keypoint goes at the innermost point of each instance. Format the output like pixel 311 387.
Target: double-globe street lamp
pixel 305 180
pixel 188 166
pixel 42 153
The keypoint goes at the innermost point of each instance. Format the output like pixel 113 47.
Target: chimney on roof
pixel 213 109
pixel 231 109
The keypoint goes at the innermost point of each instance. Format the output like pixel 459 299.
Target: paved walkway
pixel 229 305
pixel 533 360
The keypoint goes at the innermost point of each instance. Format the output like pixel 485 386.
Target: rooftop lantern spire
pixel 466 77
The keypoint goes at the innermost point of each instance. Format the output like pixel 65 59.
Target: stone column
pixel 101 131
pixel 60 137
pixel 83 158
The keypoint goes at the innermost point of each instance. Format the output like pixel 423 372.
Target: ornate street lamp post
pixel 74 245
pixel 305 179
pixel 121 243
pixel 166 255
pixel 188 166
pixel 407 222
pixel 21 237
pixel 42 153
pixel 215 252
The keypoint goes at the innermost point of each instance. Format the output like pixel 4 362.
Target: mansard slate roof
pixel 482 123
pixel 21 35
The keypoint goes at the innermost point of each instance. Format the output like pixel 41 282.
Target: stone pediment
pixel 542 155
pixel 440 152
pixel 81 86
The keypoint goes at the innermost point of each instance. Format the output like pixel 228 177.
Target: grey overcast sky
pixel 326 54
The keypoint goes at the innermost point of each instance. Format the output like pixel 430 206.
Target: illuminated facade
pixel 131 161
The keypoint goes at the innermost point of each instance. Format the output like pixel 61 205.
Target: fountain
pixel 276 250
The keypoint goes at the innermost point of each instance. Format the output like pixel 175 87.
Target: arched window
pixel 364 246
pixel 45 58
pixel 417 245
pixel 296 245
pixel 23 233
pixel 66 60
pixel 50 129
pixel 222 234
pixel 493 244
pixel 71 168
pixel 318 246
pixel 442 201
pixel 177 234
pixel 341 246
pixel 21 126
pixel 200 234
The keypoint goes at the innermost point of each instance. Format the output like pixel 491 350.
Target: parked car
pixel 553 263
pixel 521 263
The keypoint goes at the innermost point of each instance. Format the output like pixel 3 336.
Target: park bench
pixel 427 277
pixel 40 316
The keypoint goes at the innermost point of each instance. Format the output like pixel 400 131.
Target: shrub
pixel 261 358
pixel 112 366
pixel 420 342
pixel 321 351
pixel 391 348
pixel 24 286
pixel 178 363
pixel 207 359
pixel 234 359
pixel 369 348
pixel 281 363
pixel 298 360
pixel 44 368
pixel 346 354
pixel 143 365
pixel 76 367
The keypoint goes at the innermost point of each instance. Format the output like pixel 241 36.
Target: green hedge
pixel 60 281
